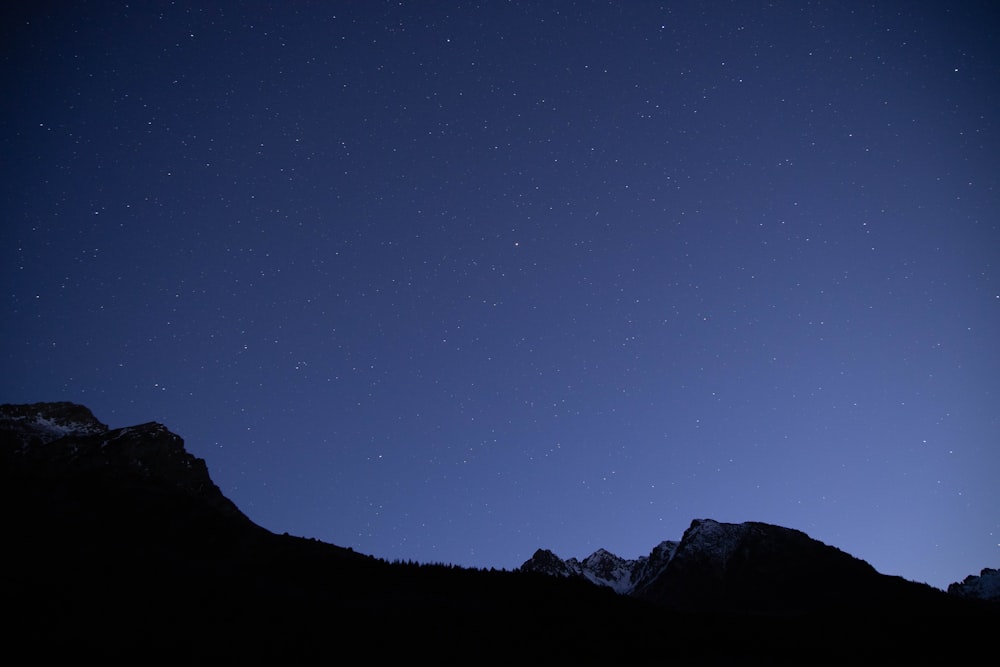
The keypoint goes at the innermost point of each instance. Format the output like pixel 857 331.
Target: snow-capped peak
pixel 605 568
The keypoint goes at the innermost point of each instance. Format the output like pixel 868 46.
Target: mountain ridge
pixel 119 542
pixel 66 438
pixel 150 449
pixel 747 567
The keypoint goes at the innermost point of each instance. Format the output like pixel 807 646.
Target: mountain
pixel 118 546
pixel 65 441
pixel 750 567
pixel 985 586
pixel 604 568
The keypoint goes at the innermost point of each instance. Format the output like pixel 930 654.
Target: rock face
pixel 985 586
pixel 604 568
pixel 757 567
pixel 39 423
pixel 743 568
pixel 65 440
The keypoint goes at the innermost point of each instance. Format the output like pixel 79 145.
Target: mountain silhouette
pixel 120 547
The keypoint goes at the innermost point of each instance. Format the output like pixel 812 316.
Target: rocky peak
pixel 605 568
pixel 984 586
pixel 544 561
pixel 50 440
pixel 748 566
pixel 41 423
pixel 714 539
pixel 602 561
pixel 648 568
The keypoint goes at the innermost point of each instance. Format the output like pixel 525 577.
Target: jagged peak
pixel 601 555
pixel 984 586
pixel 605 568
pixel 66 438
pixel 664 548
pixel 546 562
pixel 47 422
pixel 711 536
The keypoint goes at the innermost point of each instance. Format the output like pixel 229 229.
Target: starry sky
pixel 451 282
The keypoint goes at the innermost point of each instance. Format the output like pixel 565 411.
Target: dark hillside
pixel 122 558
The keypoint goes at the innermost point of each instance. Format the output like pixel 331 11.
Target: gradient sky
pixel 450 282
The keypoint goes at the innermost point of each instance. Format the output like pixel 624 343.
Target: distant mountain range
pixel 748 568
pixel 119 546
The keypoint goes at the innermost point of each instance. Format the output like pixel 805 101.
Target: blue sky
pixel 454 283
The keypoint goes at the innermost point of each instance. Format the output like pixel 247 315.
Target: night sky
pixel 450 282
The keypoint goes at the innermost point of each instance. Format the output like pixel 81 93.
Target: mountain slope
pixel 118 546
pixel 604 568
pixel 753 568
pixel 756 567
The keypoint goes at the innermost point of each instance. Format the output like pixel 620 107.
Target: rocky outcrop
pixel 984 586
pixel 49 442
pixel 35 424
pixel 748 567
pixel 604 568
pixel 757 567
